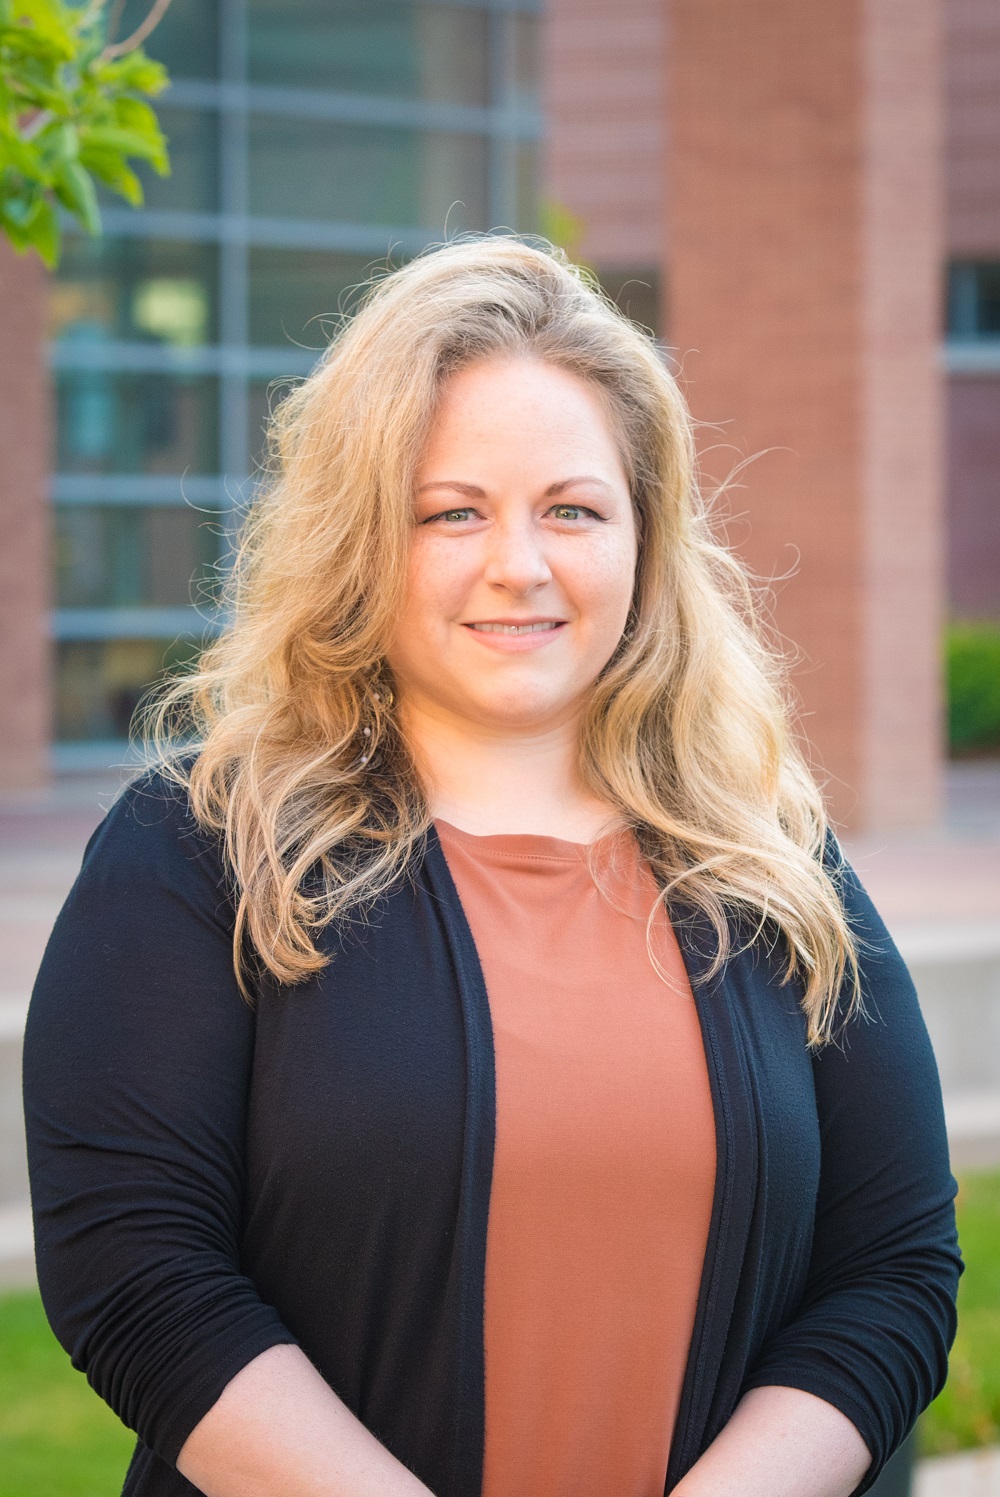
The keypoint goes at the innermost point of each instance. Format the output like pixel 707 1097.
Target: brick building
pixel 605 161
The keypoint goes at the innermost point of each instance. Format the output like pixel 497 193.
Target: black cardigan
pixel 210 1179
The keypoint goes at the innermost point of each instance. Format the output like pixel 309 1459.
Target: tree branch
pixel 114 19
pixel 139 35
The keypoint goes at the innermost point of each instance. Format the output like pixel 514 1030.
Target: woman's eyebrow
pixel 565 483
pixel 473 491
pixel 470 490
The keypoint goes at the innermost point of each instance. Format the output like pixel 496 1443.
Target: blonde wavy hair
pixel 284 735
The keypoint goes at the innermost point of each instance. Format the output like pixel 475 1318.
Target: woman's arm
pixel 137 1058
pixel 279 1430
pixel 138 1055
pixel 871 1335
pixel 780 1442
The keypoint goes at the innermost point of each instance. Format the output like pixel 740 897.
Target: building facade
pixel 311 141
pixel 606 164
pixel 972 349
pixel 314 140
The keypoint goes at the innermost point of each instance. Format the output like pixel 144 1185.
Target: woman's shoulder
pixel 150 837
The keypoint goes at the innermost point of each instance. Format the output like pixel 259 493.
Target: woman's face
pixel 523 551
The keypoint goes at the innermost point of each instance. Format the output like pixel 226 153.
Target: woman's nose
pixel 516 560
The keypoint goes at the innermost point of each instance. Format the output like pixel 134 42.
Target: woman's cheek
pixel 606 584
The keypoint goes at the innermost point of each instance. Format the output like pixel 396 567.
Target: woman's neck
pixel 488 780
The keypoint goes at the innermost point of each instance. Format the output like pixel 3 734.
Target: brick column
pixel 804 272
pixel 24 552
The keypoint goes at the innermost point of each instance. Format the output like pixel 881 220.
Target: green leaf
pixel 123 142
pixel 49 18
pixel 41 27
pixel 41 95
pixel 19 237
pixel 138 117
pixel 134 71
pixel 45 233
pixel 69 116
pixel 24 156
pixel 110 169
pixel 31 223
pixel 75 190
pixel 21 41
pixel 19 209
pixel 61 143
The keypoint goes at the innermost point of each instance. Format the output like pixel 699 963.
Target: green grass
pixel 57 1439
pixel 968 1411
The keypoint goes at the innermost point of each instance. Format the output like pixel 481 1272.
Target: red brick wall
pixel 974 496
pixel 603 97
pixel 805 252
pixel 24 555
pixel 972 67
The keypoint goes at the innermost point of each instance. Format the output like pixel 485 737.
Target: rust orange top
pixel 604 1166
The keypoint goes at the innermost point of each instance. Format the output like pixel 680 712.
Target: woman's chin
pixel 527 712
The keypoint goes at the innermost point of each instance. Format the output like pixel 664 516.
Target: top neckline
pixel 517 844
pixel 513 844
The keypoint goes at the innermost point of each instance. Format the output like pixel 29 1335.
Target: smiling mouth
pixel 547 625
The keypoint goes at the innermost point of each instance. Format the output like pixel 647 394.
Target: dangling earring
pixel 384 699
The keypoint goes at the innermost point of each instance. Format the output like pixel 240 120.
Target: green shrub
pixel 972 654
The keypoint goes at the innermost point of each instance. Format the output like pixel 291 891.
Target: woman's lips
pixel 511 637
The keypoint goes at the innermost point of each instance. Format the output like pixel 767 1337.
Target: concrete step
pixel 973 1120
pixel 17 1255
pixel 972 1473
pixel 13 1165
pixel 956 969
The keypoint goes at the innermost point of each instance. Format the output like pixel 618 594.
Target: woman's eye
pixel 573 512
pixel 451 516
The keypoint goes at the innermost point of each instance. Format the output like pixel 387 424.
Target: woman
pixel 470 1067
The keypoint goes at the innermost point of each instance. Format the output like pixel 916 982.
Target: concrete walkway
pixel 974 1473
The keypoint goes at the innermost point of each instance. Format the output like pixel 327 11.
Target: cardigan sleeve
pixel 137 1060
pixel 876 1322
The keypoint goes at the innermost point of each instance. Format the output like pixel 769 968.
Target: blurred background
pixel 801 202
pixel 807 216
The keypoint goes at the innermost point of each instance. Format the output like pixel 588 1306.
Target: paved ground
pixel 975 1473
pixel 950 874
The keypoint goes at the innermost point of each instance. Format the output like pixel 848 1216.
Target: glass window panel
pixel 124 556
pixel 192 186
pixel 518 66
pixel 298 295
pixel 526 82
pixel 961 309
pixel 364 174
pixel 988 300
pixel 155 290
pixel 526 189
pixel 388 47
pixel 99 683
pixel 186 41
pixel 136 423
